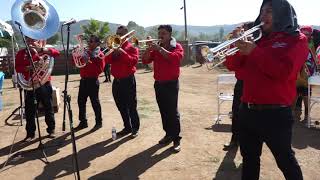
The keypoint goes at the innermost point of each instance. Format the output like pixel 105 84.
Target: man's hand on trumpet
pixel 155 47
pixel 245 47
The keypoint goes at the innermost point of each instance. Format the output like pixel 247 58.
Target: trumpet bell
pixel 38 18
pixel 206 53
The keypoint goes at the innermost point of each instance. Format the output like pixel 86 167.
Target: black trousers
pixel 299 103
pixel 167 99
pixel 44 95
pixel 107 72
pixel 125 95
pixel 273 127
pixel 89 87
pixel 235 109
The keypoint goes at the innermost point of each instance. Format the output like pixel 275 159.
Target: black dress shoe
pixel 176 146
pixel 231 145
pixel 97 126
pixel 123 132
pixel 81 126
pixel 52 135
pixel 135 134
pixel 28 138
pixel 166 140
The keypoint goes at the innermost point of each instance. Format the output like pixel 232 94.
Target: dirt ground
pixel 202 155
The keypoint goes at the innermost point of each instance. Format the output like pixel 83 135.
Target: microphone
pixel 71 21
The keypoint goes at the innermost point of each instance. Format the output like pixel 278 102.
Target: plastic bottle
pixel 114 133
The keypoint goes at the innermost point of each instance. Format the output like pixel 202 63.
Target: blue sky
pixel 153 12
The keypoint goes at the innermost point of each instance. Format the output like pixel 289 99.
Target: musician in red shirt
pixel 237 92
pixel 89 83
pixel 123 66
pixel 269 70
pixel 43 93
pixel 166 57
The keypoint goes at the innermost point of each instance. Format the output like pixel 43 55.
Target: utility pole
pixel 185 21
pixel 186 30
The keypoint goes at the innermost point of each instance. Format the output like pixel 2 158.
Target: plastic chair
pixel 223 80
pixel 312 100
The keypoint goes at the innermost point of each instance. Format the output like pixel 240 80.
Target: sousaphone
pixel 39 20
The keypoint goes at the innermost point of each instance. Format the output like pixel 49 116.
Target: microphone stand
pixel 41 146
pixel 67 103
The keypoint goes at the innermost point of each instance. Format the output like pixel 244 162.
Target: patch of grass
pixel 214 159
pixel 145 108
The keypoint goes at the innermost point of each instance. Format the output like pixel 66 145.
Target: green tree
pixel 140 32
pixel 95 27
pixel 153 32
pixel 54 39
pixel 5 43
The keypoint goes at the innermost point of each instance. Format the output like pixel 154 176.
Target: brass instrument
pixel 143 43
pixel 218 54
pixel 39 20
pixel 78 52
pixel 114 42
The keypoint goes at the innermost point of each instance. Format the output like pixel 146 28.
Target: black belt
pixel 123 79
pixel 263 106
pixel 166 81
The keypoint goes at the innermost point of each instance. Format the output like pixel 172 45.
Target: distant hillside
pixel 192 30
pixel 196 30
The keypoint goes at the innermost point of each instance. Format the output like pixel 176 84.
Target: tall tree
pixel 140 32
pixel 95 27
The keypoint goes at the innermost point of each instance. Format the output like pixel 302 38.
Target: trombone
pixel 220 52
pixel 114 42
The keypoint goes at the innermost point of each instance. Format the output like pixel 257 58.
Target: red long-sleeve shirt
pixel 270 71
pixel 93 68
pixel 125 64
pixel 166 69
pixel 230 65
pixel 22 61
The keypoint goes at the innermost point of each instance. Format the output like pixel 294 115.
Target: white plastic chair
pixel 223 80
pixel 312 100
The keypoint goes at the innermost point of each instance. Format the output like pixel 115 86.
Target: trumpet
pixel 114 42
pixel 144 43
pixel 220 52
